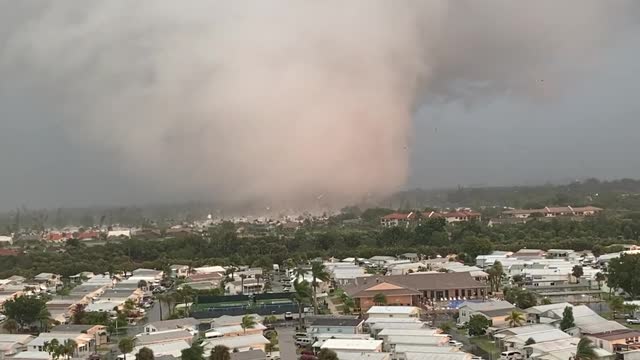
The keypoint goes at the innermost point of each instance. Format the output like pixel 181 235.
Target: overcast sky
pixel 578 117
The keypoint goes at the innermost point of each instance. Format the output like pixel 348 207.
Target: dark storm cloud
pixel 285 101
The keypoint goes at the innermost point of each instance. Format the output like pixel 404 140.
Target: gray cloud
pixel 280 101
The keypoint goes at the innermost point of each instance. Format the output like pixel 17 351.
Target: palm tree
pixel 11 326
pixel 600 277
pixel 242 277
pixel 585 350
pixel 515 319
pixel 44 317
pixel 302 296
pixel 69 348
pixel 220 352
pixel 379 299
pixel 53 348
pixel 248 322
pixel 318 272
pixel 125 346
pixel 185 295
pixel 299 272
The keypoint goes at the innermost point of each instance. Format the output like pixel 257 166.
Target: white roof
pixel 539 337
pixel 35 355
pixel 406 310
pixel 209 269
pixel 544 308
pixel 416 339
pixel 235 328
pixel 436 356
pixel 237 342
pixel 227 320
pixel 345 355
pixel 529 329
pixel 14 338
pixel 407 326
pixel 103 306
pixel 410 332
pixel 402 348
pixel 376 320
pixel 352 344
pixel 173 348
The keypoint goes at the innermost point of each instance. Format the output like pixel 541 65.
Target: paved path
pixel 286 343
pixel 332 307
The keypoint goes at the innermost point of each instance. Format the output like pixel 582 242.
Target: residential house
pixel 165 337
pixel 514 339
pixel 124 233
pixel 249 355
pixel 391 341
pixel 180 271
pixel 338 325
pixel 48 279
pixel 98 332
pixel 160 350
pixel 6 240
pixel 394 312
pixel 237 330
pixel 238 343
pixel 495 311
pixel 84 342
pixel 228 320
pixel 353 345
pixel 12 344
pixel 551 212
pixel 616 340
pixel 189 324
pixel 344 355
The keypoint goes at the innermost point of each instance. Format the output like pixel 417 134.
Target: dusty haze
pixel 281 102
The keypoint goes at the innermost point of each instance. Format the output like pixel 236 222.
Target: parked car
pixel 633 321
pixel 3 317
pixel 455 343
pixel 288 316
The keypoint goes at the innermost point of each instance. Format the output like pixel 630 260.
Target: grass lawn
pixel 486 344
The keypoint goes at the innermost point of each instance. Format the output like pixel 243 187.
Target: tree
pixel 530 341
pixel 445 327
pixel 496 274
pixel 220 352
pixel 379 299
pixel 523 299
pixel 25 309
pixel 600 277
pixel 478 325
pixel 318 272
pixel 69 348
pixel 326 354
pixel 622 274
pixel 11 326
pixel 195 352
pixel 248 322
pixel 474 246
pixel 545 301
pixel 126 346
pixel 585 350
pixel 518 280
pixel 54 348
pixel 577 272
pixel 185 295
pixel 567 321
pixel 142 284
pixel 616 304
pixel 301 296
pixel 145 354
pixel 515 319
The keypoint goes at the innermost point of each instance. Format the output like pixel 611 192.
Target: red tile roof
pixel 8 252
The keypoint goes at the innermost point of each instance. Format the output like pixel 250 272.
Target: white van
pixel 304 341
pixel 510 355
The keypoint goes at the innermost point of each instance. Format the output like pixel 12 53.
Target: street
pixel 286 343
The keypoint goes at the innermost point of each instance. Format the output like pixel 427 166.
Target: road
pixel 285 342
